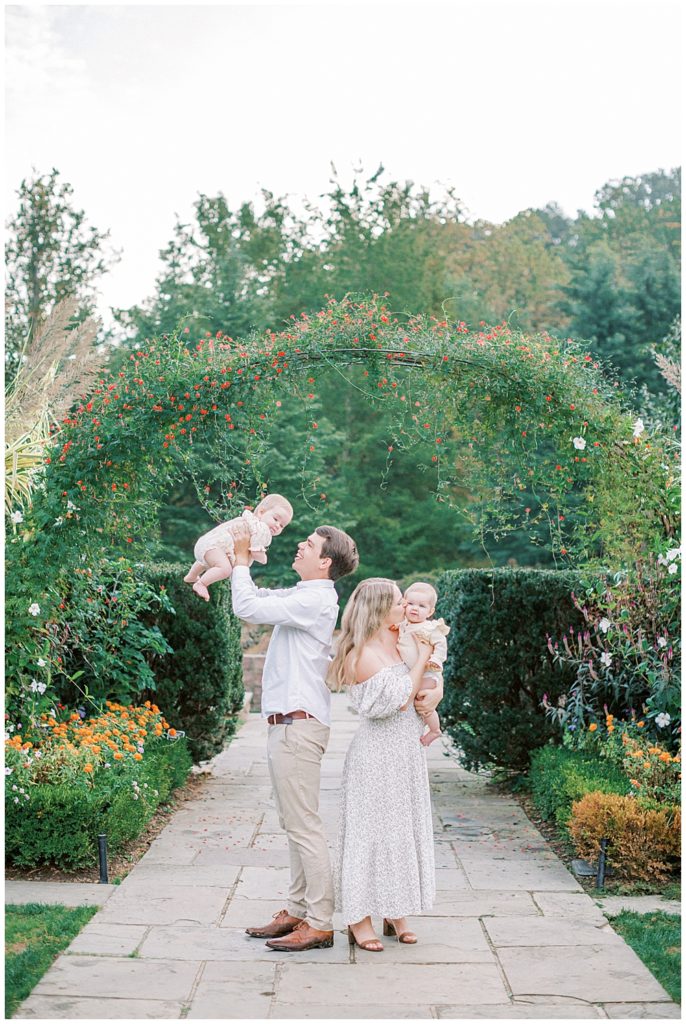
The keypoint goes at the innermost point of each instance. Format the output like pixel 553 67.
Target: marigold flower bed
pixel 70 780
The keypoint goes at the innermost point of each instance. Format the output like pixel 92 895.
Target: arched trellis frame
pixel 531 426
pixel 506 414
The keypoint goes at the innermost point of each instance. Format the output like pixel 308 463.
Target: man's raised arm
pixel 290 607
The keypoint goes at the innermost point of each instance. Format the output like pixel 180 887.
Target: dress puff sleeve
pixel 383 694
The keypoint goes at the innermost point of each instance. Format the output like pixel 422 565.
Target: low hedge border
pixel 59 824
pixel 559 776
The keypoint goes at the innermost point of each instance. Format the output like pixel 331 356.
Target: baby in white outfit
pixel 420 604
pixel 214 551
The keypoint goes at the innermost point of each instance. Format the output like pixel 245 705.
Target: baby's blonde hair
pixel 368 606
pixel 271 501
pixel 419 585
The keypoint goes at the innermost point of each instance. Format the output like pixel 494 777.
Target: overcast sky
pixel 513 103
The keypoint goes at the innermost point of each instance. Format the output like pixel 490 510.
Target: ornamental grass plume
pixel 59 363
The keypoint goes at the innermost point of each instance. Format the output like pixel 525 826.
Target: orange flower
pixel 592 727
pixel 118 756
pixel 640 724
pixel 138 757
pixel 664 756
pixel 88 767
pixel 172 732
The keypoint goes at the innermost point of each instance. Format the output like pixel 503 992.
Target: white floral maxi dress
pixel 385 856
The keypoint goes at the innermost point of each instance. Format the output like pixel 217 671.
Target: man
pixel 297 704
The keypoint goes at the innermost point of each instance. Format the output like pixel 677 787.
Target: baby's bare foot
pixel 428 738
pixel 201 590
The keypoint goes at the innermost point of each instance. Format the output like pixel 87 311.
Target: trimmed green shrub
pixel 200 685
pixel 559 777
pixel 59 824
pixel 498 666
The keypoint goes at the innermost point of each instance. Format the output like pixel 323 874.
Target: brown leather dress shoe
pixel 282 924
pixel 302 937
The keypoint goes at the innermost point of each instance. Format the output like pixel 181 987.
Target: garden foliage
pixel 498 667
pixel 199 680
pixel 72 779
pixel 559 776
pixel 644 843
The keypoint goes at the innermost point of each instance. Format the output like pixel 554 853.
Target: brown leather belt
pixel 287 719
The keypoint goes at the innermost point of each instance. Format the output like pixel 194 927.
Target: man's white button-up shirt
pixel 299 653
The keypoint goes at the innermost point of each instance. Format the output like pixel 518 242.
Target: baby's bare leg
pixel 194 572
pixel 220 569
pixel 432 720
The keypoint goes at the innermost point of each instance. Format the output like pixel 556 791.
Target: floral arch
pixel 530 424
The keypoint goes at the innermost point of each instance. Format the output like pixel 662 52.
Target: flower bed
pixel 613 781
pixel 71 779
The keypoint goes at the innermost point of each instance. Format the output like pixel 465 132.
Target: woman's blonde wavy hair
pixel 368 606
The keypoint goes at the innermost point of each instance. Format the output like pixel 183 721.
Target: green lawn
pixel 656 938
pixel 34 934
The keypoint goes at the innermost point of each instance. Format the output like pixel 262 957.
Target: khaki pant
pixel 294 754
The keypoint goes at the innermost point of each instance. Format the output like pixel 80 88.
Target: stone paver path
pixel 512 934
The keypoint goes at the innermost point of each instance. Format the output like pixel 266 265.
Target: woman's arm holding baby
pixel 427 701
pixel 418 669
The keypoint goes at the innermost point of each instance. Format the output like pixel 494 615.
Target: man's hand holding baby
pixel 241 544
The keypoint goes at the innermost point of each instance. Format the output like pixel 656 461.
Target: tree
pixel 221 270
pixel 51 254
pixel 625 269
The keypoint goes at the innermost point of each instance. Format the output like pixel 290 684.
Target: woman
pixel 385 862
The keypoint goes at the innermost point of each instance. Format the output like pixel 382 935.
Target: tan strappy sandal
pixel 407 937
pixel 371 945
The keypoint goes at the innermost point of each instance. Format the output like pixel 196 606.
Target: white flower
pixel 671 569
pixel 17 517
pixel 606 659
pixel 604 624
pixel 673 553
pixel 41 663
pixel 16 799
pixel 579 443
pixel 14 789
pixel 71 507
pixel 38 687
pixel 639 427
pixel 107 764
pixel 59 520
pixel 8 771
pixel 661 642
pixel 34 609
pixel 38 754
pixel 662 719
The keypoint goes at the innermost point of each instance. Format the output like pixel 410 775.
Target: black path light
pixel 602 864
pixel 102 857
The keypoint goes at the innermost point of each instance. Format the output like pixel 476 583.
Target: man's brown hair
pixel 341 549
